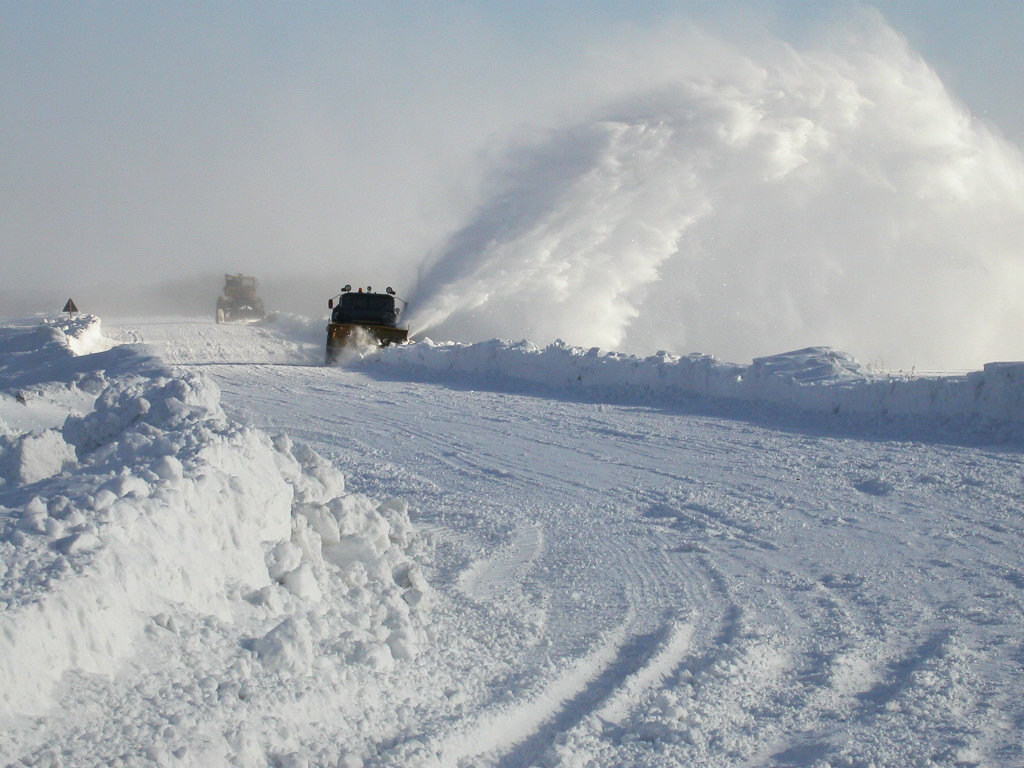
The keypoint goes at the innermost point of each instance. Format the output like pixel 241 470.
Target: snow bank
pixel 41 343
pixel 816 379
pixel 57 351
pixel 151 503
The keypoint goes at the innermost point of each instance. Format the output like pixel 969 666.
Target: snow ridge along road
pixel 602 584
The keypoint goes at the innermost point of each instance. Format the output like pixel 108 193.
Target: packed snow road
pixel 628 585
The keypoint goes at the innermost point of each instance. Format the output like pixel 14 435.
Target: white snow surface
pixel 583 559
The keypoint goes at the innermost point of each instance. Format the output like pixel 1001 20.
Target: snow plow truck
pixel 363 315
pixel 239 302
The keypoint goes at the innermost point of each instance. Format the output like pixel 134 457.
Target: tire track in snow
pixel 603 683
pixel 640 663
pixel 674 645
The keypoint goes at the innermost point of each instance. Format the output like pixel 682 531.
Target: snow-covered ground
pixel 535 557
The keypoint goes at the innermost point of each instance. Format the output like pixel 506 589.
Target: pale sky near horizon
pixel 150 140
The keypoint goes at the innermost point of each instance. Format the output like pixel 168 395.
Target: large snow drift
pixel 816 379
pixel 145 506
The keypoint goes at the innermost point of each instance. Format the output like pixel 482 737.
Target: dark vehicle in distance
pixel 364 312
pixel 239 301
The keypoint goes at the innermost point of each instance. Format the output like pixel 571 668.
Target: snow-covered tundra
pixel 553 557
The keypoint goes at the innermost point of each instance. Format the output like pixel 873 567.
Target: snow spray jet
pixel 749 204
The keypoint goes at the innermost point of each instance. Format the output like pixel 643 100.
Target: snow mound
pixel 816 379
pixel 55 351
pixel 806 366
pixel 25 347
pixel 82 333
pixel 149 503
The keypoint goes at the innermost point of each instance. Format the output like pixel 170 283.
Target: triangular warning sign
pixel 70 306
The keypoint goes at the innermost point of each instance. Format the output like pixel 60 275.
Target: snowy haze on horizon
pixel 654 185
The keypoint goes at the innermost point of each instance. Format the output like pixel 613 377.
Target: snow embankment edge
pixel 815 379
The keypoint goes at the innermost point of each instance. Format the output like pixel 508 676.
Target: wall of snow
pixel 816 379
pixel 151 502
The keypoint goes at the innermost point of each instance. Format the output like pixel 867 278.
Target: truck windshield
pixel 372 308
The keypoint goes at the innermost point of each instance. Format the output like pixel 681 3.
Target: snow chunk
pixel 168 468
pixel 288 647
pixel 303 584
pixel 813 364
pixel 82 542
pixel 34 457
pixel 82 333
pixel 283 558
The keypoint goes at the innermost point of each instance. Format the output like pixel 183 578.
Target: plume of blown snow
pixel 746 200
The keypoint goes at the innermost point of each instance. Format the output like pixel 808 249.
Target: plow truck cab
pixel 364 315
